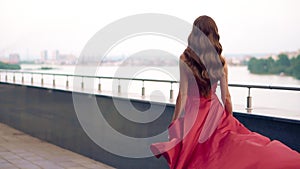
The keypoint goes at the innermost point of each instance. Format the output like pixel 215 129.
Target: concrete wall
pixel 50 115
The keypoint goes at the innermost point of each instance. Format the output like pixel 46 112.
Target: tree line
pixel 9 66
pixel 283 65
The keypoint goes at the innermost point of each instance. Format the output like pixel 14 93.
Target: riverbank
pixel 281 66
pixel 9 66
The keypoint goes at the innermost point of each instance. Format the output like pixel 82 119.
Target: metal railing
pixel 249 98
pixel 171 82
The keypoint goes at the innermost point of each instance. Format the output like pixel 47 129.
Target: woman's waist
pixel 200 97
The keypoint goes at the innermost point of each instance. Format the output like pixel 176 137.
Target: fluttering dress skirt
pixel 207 137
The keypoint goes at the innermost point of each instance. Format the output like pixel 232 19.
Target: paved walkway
pixel 21 151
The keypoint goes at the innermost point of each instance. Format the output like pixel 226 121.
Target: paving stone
pixel 11 157
pixel 3 149
pixel 26 154
pixel 47 165
pixel 17 160
pixel 33 158
pixel 2 160
pixel 7 165
pixel 27 165
pixel 68 164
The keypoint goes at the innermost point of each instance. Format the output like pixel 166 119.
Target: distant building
pixel 44 55
pixel 14 58
pixel 4 60
pixel 57 58
pixel 66 59
pixel 291 54
pixel 56 55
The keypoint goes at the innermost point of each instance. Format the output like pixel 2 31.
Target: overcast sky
pixel 245 26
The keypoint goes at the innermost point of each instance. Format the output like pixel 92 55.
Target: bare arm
pixel 183 87
pixel 226 98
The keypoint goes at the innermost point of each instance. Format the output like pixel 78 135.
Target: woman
pixel 203 133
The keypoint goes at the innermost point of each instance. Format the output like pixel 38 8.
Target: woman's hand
pixel 226 98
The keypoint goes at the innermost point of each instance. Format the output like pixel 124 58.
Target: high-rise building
pixel 44 55
pixel 14 58
pixel 56 55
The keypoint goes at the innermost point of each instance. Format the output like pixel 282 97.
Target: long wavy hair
pixel 203 54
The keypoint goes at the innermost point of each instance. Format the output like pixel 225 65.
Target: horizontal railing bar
pixel 156 80
pixel 89 76
pixel 265 87
pixel 40 73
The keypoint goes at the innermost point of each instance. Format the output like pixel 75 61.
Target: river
pixel 268 102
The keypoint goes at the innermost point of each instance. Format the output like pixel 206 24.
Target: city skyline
pixel 247 27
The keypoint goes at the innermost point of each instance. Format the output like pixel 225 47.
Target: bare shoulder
pixel 182 57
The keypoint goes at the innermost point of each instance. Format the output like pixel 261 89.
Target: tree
pixel 283 60
pixel 270 66
pixel 9 66
pixel 296 67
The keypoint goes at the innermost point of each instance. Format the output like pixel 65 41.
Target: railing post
pixel 22 77
pixel 14 77
pixel 119 87
pixel 67 82
pixel 99 86
pixel 249 101
pixel 143 90
pixel 6 76
pixel 171 92
pixel 82 84
pixel 31 79
pixel 53 80
pixel 42 80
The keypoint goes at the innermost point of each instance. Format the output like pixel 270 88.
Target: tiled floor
pixel 21 151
